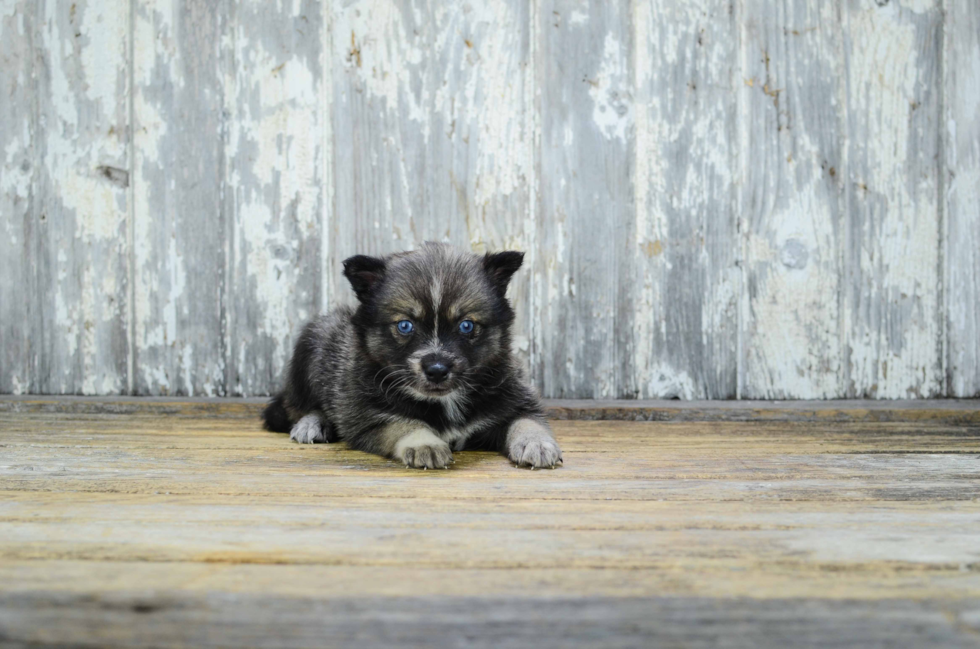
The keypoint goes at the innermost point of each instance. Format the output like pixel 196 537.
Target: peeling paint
pixel 892 308
pixel 685 319
pixel 611 91
pixel 81 328
pixel 780 221
pixel 961 279
pixel 274 179
pixel 17 169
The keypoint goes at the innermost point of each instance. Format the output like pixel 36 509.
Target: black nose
pixel 437 371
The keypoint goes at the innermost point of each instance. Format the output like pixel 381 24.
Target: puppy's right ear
pixel 364 273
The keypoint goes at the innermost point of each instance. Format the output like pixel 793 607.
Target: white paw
pixel 308 430
pixel 529 443
pixel 421 449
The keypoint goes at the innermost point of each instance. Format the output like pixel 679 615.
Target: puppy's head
pixel 435 321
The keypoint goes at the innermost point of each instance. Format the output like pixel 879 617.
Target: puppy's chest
pixel 456 434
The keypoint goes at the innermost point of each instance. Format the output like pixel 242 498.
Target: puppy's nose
pixel 437 371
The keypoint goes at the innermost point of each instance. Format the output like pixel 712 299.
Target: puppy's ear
pixel 500 266
pixel 364 273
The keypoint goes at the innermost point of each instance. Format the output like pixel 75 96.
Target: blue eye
pixel 405 327
pixel 466 327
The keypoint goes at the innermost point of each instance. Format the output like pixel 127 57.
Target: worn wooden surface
pixel 179 219
pixel 892 312
pixel 789 202
pixel 80 197
pixel 199 529
pixel 275 102
pixel 16 174
pixel 719 199
pixel 942 411
pixel 961 190
pixel 686 299
pixel 585 283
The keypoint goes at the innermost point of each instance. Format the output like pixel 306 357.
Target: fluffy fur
pixel 355 377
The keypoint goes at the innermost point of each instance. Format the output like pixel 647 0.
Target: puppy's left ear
pixel 500 266
pixel 364 273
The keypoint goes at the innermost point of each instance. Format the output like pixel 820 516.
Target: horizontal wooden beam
pixel 944 411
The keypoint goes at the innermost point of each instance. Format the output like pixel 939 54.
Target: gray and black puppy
pixel 421 368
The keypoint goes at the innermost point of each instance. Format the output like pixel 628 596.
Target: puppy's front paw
pixel 308 430
pixel 529 443
pixel 428 457
pixel 423 450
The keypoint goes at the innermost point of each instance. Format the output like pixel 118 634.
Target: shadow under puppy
pixel 421 368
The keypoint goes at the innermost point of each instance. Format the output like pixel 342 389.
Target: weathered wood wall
pixel 740 199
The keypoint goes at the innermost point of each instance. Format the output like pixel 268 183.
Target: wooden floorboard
pixel 187 525
pixel 948 411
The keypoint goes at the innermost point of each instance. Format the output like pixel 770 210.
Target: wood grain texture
pixel 425 622
pixel 792 106
pixel 686 319
pixel 933 411
pixel 81 202
pixel 584 273
pixel 17 132
pixel 752 199
pixel 274 186
pixel 429 131
pixel 180 234
pixel 140 530
pixel 893 322
pixel 962 196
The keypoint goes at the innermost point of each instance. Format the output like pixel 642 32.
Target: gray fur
pixel 531 444
pixel 308 430
pixel 354 376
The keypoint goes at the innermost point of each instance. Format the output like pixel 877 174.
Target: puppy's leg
pixel 312 429
pixel 530 443
pixel 415 444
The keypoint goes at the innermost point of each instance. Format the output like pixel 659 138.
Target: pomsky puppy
pixel 421 368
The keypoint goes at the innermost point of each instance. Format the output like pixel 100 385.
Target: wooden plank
pixel 785 497
pixel 585 267
pixel 220 620
pixel 892 309
pixel 274 185
pixel 962 198
pixel 204 531
pixel 429 126
pixel 17 132
pixel 623 461
pixel 937 411
pixel 80 328
pixel 720 578
pixel 686 317
pixel 509 535
pixel 179 215
pixel 792 109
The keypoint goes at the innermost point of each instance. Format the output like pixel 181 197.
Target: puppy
pixel 421 368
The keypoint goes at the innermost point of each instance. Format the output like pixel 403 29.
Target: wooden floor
pixel 165 525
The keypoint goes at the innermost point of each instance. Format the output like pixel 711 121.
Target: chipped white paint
pixel 16 199
pixel 631 148
pixel 273 100
pixel 685 318
pixel 179 229
pixel 891 311
pixel 82 204
pixel 611 90
pixel 586 258
pixel 962 199
pixel 790 200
